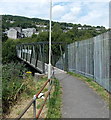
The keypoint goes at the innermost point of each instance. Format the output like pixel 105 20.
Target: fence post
pixel 21 47
pixel 49 88
pixel 31 54
pixel 36 56
pixel 34 107
pixel 109 64
pixel 66 57
pixel 43 58
pixel 27 53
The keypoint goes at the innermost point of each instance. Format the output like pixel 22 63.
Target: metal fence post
pixel 43 59
pixel 34 107
pixel 109 35
pixel 66 57
pixel 49 88
pixel 36 55
pixel 31 54
pixel 21 48
pixel 23 52
pixel 27 52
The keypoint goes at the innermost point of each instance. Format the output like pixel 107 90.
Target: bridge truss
pixel 36 54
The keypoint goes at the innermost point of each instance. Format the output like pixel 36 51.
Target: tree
pixel 4 37
pixel 56 32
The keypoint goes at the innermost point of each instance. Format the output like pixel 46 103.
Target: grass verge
pixel 31 87
pixel 95 86
pixel 54 105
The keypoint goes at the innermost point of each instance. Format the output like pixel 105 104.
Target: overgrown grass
pixel 95 86
pixel 15 84
pixel 54 105
pixel 40 83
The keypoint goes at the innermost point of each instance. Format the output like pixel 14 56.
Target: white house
pixel 12 33
pixel 12 21
pixel 29 32
pixel 79 28
pixel 17 32
pixel 70 28
pixel 44 26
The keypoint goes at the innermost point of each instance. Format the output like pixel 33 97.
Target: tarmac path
pixel 79 100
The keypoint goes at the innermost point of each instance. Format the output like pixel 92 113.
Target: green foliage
pixel 9 51
pixel 43 36
pixel 4 37
pixel 70 36
pixel 56 33
pixel 34 36
pixel 20 21
pixel 11 82
pixel 54 110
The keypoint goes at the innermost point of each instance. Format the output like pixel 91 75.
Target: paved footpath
pixel 80 101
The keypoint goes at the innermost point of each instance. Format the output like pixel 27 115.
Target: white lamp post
pixel 49 66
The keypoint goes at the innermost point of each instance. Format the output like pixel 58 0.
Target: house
pixel 65 31
pixel 44 30
pixel 28 32
pixel 17 32
pixel 12 21
pixel 43 26
pixel 14 33
pixel 98 29
pixel 37 33
pixel 79 28
pixel 70 28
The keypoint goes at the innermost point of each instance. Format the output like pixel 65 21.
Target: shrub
pixel 11 82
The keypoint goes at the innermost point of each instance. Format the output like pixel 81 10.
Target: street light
pixel 49 66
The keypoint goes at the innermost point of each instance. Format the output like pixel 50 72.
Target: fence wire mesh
pixel 91 58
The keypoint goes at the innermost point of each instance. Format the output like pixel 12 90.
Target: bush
pixel 11 82
pixel 9 51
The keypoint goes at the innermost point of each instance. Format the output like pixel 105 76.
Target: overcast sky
pixel 91 12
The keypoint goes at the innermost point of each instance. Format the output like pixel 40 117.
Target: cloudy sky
pixel 91 12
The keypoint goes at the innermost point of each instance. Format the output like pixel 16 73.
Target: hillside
pixel 19 21
pixel 64 32
pixel 24 22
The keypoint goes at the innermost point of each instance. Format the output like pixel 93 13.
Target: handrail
pixel 34 99
pixel 39 112
pixel 25 110
pixel 42 88
pixel 45 42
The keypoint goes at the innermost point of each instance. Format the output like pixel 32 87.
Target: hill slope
pixel 24 22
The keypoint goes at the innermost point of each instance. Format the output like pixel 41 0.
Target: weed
pixel 54 110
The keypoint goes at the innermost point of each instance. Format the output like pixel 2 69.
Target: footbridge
pixel 36 54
